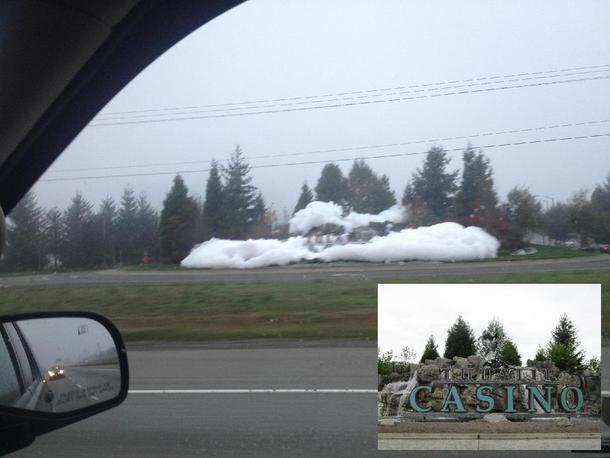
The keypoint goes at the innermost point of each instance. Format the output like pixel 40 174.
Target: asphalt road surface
pixel 84 386
pixel 305 272
pixel 215 421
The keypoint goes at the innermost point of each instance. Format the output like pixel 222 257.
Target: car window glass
pixel 9 385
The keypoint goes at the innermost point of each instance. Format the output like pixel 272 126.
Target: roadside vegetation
pixel 132 232
pixel 320 309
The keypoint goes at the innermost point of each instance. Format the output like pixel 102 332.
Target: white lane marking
pixel 605 393
pixel 255 391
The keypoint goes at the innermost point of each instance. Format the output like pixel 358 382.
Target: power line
pixel 336 150
pixel 289 164
pixel 335 94
pixel 351 97
pixel 350 104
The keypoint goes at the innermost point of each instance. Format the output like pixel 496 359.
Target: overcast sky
pixel 267 49
pixel 408 314
pixel 58 338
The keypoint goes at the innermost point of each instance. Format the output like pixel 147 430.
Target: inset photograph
pixel 489 367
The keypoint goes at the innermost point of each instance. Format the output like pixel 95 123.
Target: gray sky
pixel 268 49
pixel 57 338
pixel 408 314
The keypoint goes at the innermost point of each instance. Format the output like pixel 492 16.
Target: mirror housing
pixel 69 378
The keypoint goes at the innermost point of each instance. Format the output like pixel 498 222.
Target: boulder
pixel 462 363
pixel 494 418
pixel 476 361
pixel 440 362
pixel 427 373
pixel 565 378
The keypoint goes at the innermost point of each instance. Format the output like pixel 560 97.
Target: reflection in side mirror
pixel 59 364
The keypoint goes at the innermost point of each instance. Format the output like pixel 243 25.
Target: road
pixel 306 272
pixel 213 422
pixel 84 386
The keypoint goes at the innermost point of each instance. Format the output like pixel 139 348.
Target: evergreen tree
pixel 176 227
pixel 127 242
pixel 541 355
pixel 25 240
pixel 79 235
pixel 213 206
pixel 147 222
pixel 509 354
pixel 476 201
pixel 384 197
pixel 494 328
pixel 430 192
pixel 332 186
pixel 107 227
pixel 523 214
pixel 304 199
pixel 581 214
pixel 600 206
pixel 565 331
pixel 239 198
pixel 565 356
pixel 460 340
pixel 430 350
pixel 262 226
pixel 54 235
pixel 368 193
pixel 563 348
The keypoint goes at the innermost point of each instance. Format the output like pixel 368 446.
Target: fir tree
pixel 304 199
pixel 213 206
pixel 25 239
pixel 80 237
pixel 565 331
pixel 476 201
pixel 494 328
pixel 523 213
pixel 332 186
pixel 368 193
pixel 509 354
pixel 127 235
pixel 600 206
pixel 460 340
pixel 431 188
pixel 541 355
pixel 107 227
pixel 54 235
pixel 563 349
pixel 239 198
pixel 384 197
pixel 147 221
pixel 430 350
pixel 177 223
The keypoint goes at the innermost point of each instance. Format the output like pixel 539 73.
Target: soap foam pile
pixel 441 242
pixel 318 214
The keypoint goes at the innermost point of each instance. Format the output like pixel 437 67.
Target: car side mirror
pixel 57 368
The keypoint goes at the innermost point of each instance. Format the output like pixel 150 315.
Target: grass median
pixel 316 309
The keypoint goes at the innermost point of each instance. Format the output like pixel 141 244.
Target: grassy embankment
pixel 319 309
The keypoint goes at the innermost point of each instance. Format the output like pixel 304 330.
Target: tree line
pixel 131 231
pixel 563 348
pixel 434 194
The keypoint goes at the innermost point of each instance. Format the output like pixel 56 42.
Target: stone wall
pixel 394 389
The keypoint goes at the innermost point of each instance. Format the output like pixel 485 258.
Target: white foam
pixel 441 242
pixel 318 214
